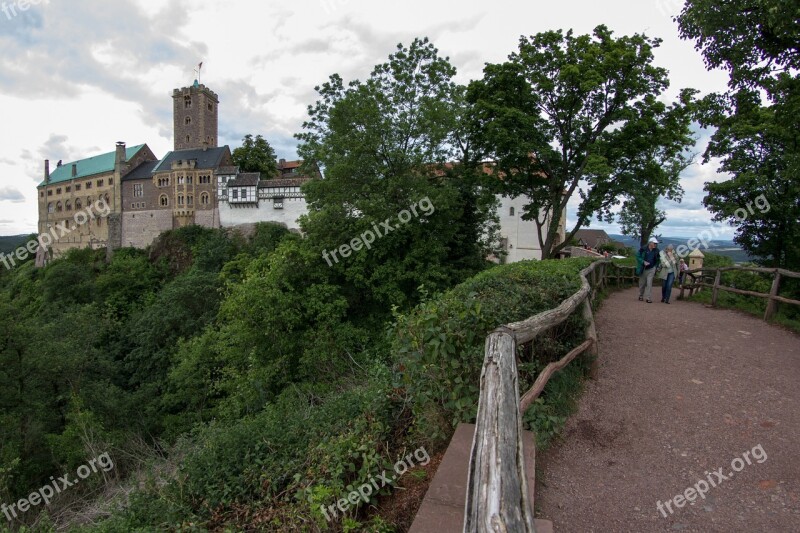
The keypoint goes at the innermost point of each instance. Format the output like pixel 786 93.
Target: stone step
pixel 442 510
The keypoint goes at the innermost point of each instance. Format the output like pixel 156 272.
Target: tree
pixel 384 145
pixel 256 155
pixel 650 156
pixel 549 114
pixel 757 120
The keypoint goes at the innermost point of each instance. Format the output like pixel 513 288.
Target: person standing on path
pixel 649 257
pixel 669 268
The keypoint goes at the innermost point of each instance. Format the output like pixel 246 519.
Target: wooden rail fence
pixel 497 491
pixel 700 278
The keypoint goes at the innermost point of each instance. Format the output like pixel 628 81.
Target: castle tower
pixel 194 111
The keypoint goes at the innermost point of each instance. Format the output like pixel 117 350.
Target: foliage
pixel 440 344
pixel 652 158
pixel 383 144
pixel 756 121
pixel 256 155
pixel 554 114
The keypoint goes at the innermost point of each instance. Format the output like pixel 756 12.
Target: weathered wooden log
pixel 541 380
pixel 497 488
pixel 772 304
pixel 715 290
pixel 529 328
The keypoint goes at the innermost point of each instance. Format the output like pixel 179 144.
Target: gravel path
pixel 683 391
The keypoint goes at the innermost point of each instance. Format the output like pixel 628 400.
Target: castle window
pixel 41 194
pixel 187 102
pixel 78 204
pixel 189 180
pixel 99 183
pixel 187 120
pixel 59 207
pixel 49 192
pixel 210 107
pixel 77 187
pixel 204 198
pixel 180 199
pixel 163 200
pixel 138 189
pixel 58 191
pixel 68 206
pixel 190 200
pixel 50 207
pixel 88 185
pixel 511 211
pixel 111 181
pixel 187 138
pixel 67 188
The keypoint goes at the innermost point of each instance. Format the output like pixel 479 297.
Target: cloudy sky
pixel 76 76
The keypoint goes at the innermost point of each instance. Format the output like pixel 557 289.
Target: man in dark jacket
pixel 649 257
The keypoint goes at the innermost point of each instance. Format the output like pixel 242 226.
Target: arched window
pixel 180 199
pixel 163 200
pixel 50 207
pixel 78 204
pixel 187 121
pixel 190 200
pixel 511 211
pixel 68 206
pixel 59 207
pixel 204 198
pixel 187 138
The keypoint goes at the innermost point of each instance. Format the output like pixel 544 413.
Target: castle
pixel 195 183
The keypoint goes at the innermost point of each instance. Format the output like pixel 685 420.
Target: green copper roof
pixel 90 166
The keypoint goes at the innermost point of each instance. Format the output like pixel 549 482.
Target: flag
pixel 200 65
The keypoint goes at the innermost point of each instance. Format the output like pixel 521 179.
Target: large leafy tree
pixel 757 120
pixel 384 144
pixel 549 115
pixel 256 155
pixel 649 154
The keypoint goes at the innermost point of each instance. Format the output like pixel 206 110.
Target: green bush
pixel 440 344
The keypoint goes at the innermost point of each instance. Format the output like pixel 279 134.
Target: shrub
pixel 440 344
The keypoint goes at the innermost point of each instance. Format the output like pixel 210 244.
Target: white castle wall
pixel 234 215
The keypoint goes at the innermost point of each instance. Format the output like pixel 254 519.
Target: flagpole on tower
pixel 199 67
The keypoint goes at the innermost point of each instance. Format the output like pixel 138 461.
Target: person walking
pixel 669 268
pixel 649 258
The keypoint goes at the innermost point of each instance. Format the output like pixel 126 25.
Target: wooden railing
pixel 701 278
pixel 497 491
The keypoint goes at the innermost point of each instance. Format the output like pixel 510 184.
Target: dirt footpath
pixel 688 397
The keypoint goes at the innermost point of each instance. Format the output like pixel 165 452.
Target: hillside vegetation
pixel 231 386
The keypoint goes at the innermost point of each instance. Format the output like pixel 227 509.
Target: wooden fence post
pixel 591 334
pixel 497 487
pixel 772 305
pixel 716 288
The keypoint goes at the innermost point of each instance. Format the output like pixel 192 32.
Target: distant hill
pixel 721 247
pixel 12 242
